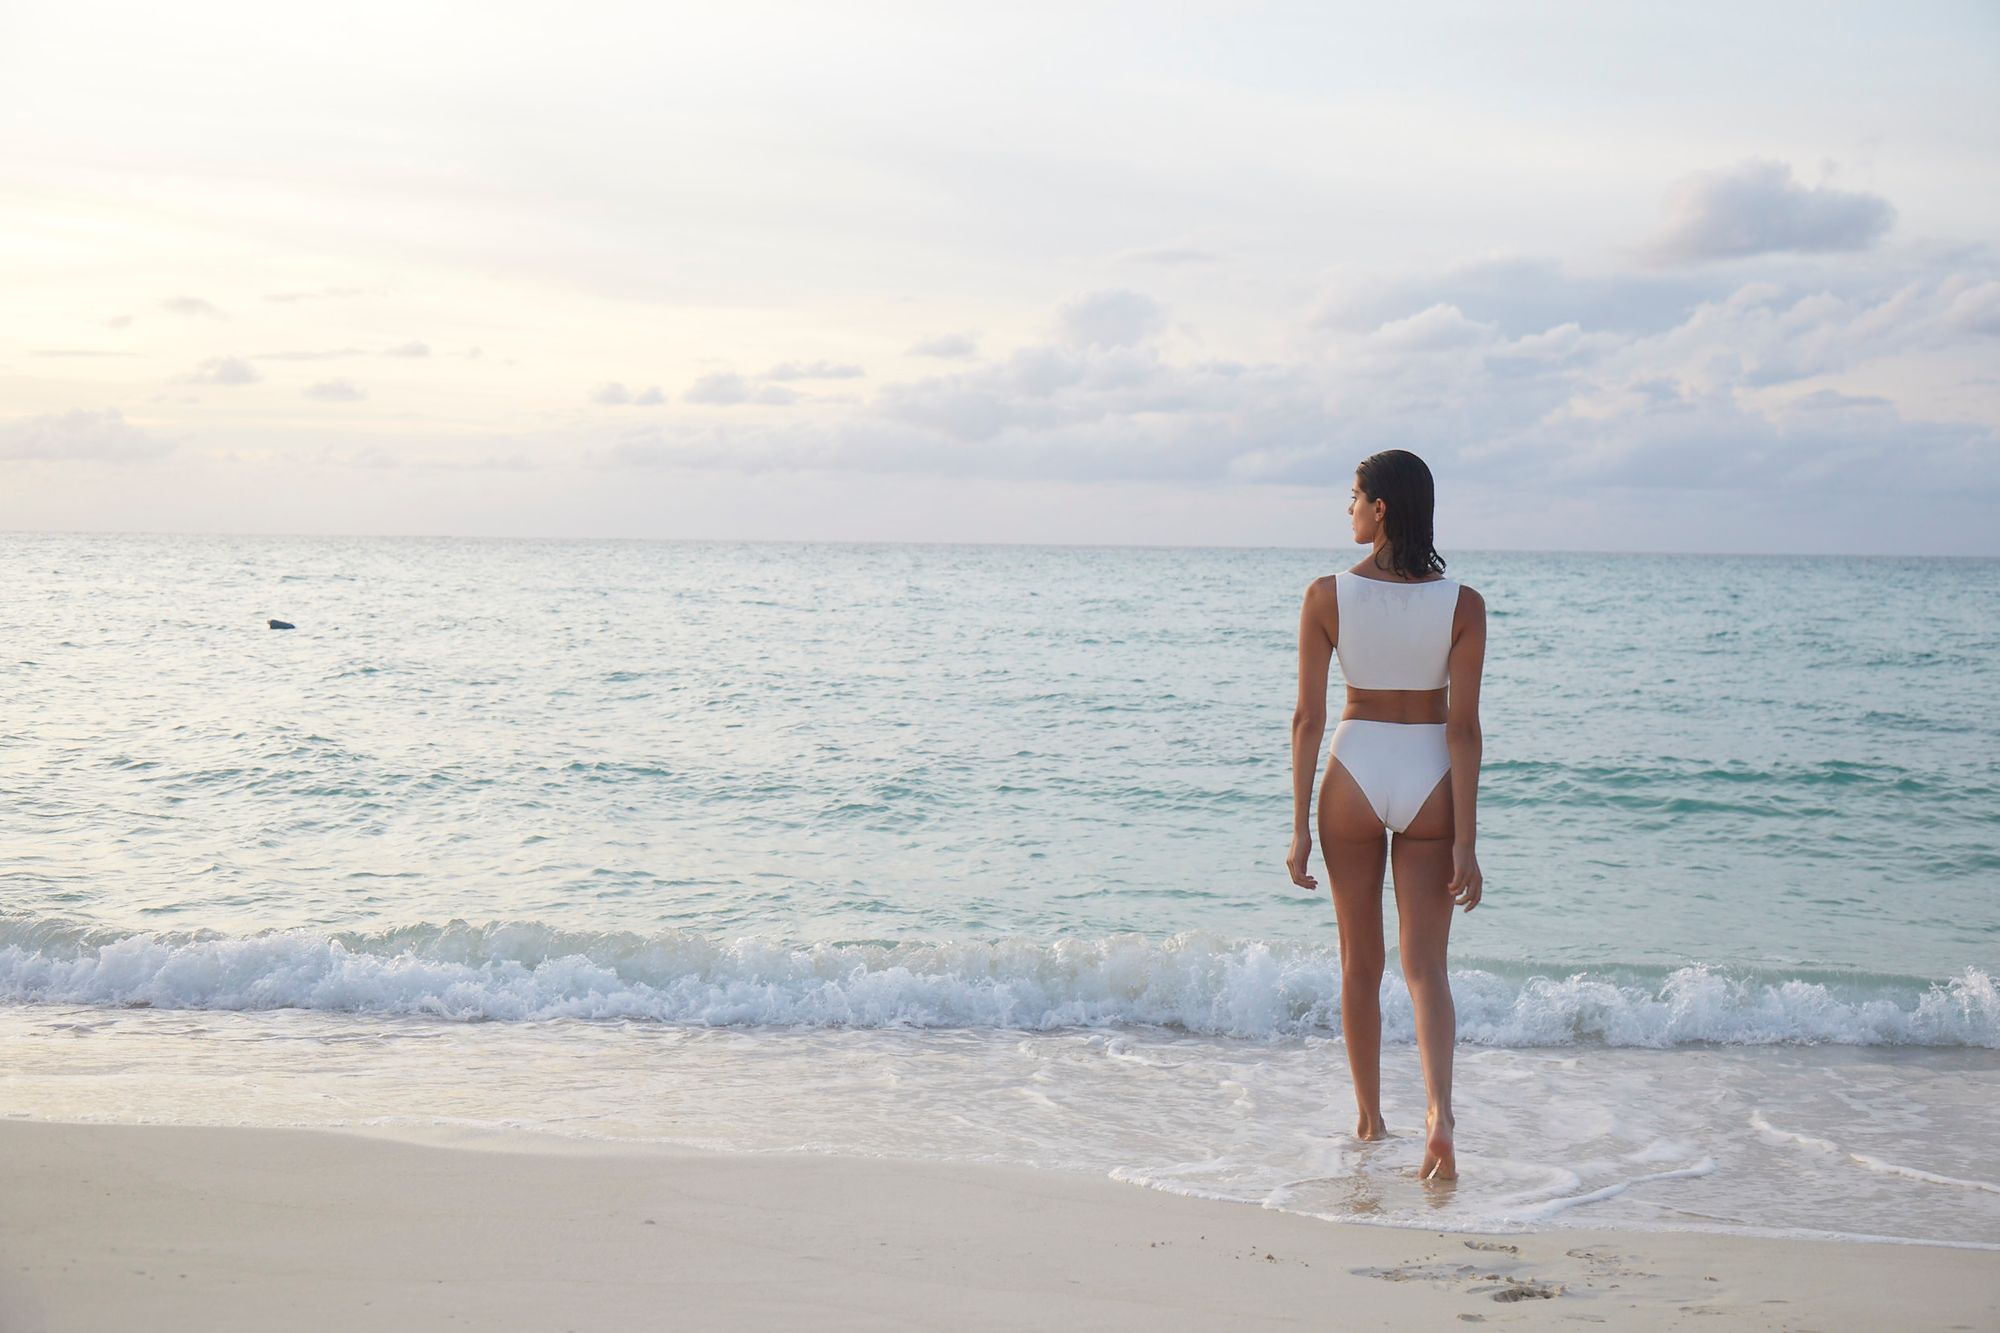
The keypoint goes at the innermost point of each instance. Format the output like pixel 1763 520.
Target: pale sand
pixel 149 1228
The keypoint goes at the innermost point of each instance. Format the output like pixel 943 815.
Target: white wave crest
pixel 1198 982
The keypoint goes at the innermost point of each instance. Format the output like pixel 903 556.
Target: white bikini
pixel 1394 636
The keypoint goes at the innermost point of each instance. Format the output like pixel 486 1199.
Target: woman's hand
pixel 1299 862
pixel 1466 881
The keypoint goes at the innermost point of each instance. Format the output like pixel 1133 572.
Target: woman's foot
pixel 1371 1129
pixel 1439 1161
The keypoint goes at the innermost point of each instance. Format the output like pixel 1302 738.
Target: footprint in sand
pixel 1499 1286
pixel 1525 1289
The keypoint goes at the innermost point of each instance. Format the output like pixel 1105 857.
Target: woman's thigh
pixel 1420 858
pixel 1355 847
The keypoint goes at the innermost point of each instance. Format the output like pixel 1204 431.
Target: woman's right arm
pixel 1317 627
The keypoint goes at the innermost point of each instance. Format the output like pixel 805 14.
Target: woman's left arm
pixel 1462 738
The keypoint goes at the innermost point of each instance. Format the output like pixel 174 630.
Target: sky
pixel 1701 277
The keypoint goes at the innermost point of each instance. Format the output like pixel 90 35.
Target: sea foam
pixel 1198 982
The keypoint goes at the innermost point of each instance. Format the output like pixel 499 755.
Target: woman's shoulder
pixel 1356 576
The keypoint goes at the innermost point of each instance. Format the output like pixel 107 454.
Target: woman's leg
pixel 1421 859
pixel 1354 845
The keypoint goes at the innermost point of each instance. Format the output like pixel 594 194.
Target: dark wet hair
pixel 1399 479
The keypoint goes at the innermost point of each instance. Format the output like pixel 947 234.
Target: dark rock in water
pixel 283 624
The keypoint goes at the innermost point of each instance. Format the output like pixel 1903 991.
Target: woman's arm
pixel 1318 626
pixel 1462 739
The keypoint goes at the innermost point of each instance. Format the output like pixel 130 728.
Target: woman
pixel 1405 758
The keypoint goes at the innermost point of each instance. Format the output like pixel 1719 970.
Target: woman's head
pixel 1393 495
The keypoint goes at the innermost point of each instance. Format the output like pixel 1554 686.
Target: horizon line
pixel 1030 545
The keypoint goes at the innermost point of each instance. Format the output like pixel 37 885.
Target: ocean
pixel 977 853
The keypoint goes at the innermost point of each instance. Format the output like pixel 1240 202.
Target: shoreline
pixel 194 1227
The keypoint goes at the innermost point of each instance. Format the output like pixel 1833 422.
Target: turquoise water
pixel 878 792
pixel 1778 763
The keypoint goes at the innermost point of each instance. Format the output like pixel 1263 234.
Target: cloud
pixel 1519 295
pixel 1436 329
pixel 79 436
pixel 1799 317
pixel 1757 208
pixel 335 391
pixel 409 349
pixel 364 456
pixel 1761 335
pixel 949 346
pixel 814 370
pixel 1120 415
pixel 190 305
pixel 326 355
pixel 723 388
pixel 726 388
pixel 75 351
pixel 1824 442
pixel 118 322
pixel 1740 393
pixel 1170 254
pixel 225 370
pixel 1085 409
pixel 1976 309
pixel 1111 318
pixel 323 294
pixel 615 394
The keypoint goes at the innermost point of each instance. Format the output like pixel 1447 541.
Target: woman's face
pixel 1366 514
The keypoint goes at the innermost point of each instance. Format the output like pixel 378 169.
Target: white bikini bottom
pixel 1396 764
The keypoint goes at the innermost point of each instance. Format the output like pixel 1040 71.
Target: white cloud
pixel 1694 406
pixel 1518 295
pixel 1111 318
pixel 190 305
pixel 222 370
pixel 1756 208
pixel 335 391
pixel 323 294
pixel 947 346
pixel 1436 329
pixel 409 349
pixel 726 388
pixel 1171 254
pixel 1761 335
pixel 1976 309
pixel 650 397
pixel 814 370
pixel 721 388
pixel 79 436
pixel 611 394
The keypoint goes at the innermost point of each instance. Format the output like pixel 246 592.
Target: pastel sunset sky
pixel 1692 277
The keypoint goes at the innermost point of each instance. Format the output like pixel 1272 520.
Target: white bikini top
pixel 1394 636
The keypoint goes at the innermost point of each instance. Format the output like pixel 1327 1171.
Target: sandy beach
pixel 162 1228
